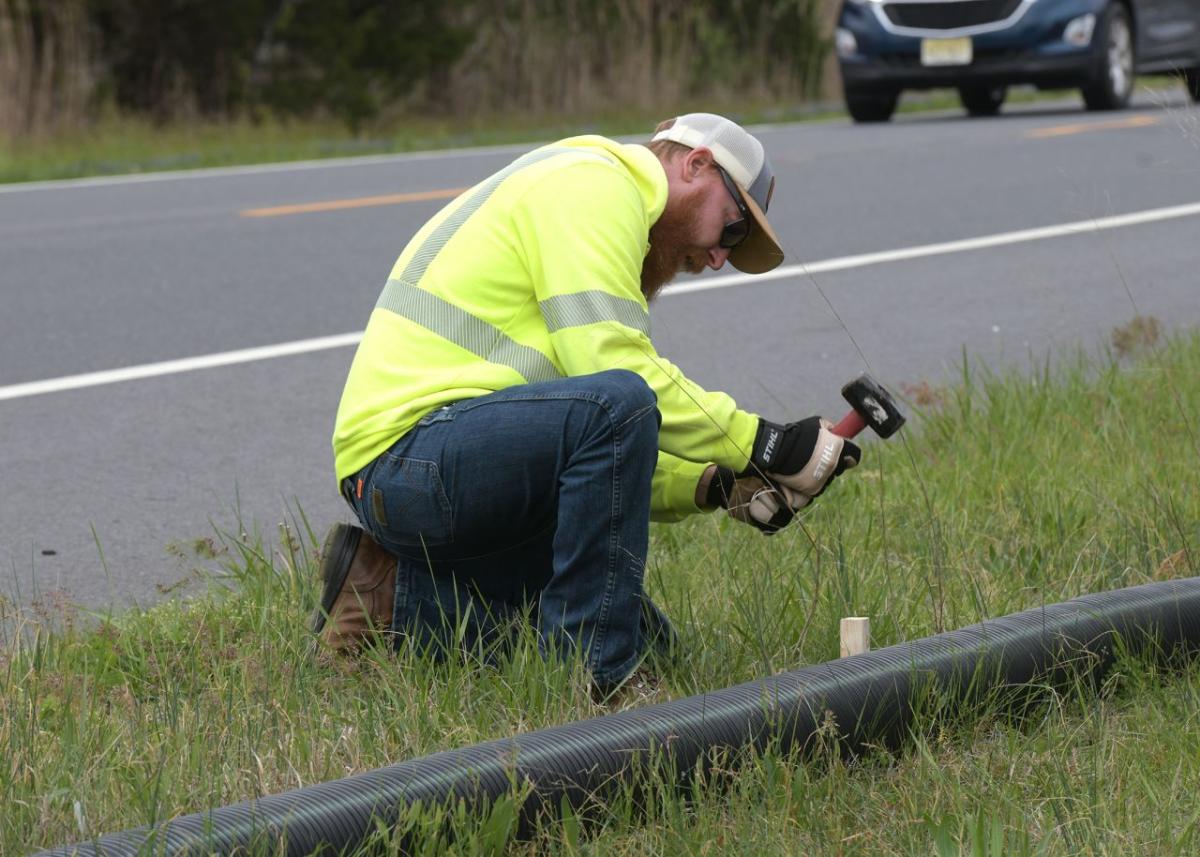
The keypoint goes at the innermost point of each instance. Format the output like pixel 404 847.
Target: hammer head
pixel 874 404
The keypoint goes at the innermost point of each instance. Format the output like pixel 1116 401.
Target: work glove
pixel 803 457
pixel 754 501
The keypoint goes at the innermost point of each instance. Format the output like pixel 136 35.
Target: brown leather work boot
pixel 360 581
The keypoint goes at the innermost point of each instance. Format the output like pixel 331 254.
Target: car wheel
pixel 1191 77
pixel 1112 83
pixel 871 106
pixel 982 100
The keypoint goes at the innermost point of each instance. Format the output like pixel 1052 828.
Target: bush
pixel 63 61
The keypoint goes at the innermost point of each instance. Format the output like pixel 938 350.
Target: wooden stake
pixel 856 635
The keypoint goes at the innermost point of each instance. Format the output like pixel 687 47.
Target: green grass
pixel 1004 493
pixel 124 145
pixel 121 145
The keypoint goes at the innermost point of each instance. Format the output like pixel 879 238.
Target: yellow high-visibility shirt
pixel 534 274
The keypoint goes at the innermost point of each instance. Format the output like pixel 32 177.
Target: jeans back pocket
pixel 407 503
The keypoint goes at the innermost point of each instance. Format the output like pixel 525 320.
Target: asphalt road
pixel 105 488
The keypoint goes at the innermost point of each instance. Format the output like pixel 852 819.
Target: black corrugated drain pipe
pixel 871 697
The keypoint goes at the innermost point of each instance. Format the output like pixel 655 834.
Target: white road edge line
pixel 1079 227
pixel 260 169
pixel 324 343
pixel 174 367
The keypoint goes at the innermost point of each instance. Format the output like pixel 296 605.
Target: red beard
pixel 672 249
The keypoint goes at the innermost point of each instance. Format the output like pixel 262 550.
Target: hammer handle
pixel 850 425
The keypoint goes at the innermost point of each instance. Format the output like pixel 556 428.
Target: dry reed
pixel 46 79
pixel 529 58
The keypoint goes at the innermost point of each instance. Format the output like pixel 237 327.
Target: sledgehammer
pixel 872 406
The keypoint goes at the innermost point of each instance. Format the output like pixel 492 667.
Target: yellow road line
pixel 1084 127
pixel 360 202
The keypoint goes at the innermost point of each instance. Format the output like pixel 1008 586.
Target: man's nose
pixel 717 257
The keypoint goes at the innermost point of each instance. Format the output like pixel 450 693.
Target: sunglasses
pixel 735 232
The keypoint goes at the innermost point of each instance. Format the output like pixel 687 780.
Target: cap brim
pixel 760 252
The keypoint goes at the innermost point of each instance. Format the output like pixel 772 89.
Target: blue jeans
pixel 532 501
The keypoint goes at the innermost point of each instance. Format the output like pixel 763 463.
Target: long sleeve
pixel 583 234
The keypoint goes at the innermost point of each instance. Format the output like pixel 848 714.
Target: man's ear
pixel 697 161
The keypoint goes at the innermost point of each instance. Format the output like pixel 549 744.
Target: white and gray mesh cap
pixel 741 155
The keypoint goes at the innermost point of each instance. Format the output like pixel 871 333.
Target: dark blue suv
pixel 983 46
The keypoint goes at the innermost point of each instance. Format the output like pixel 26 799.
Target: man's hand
pixel 752 500
pixel 804 456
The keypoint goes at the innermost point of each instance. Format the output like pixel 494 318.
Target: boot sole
pixel 334 567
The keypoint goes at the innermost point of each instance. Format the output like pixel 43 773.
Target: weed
pixel 1140 333
pixel 923 395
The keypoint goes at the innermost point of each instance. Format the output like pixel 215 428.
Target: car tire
pixel 982 100
pixel 871 106
pixel 1191 77
pixel 1112 83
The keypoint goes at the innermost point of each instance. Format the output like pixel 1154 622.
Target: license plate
pixel 946 51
